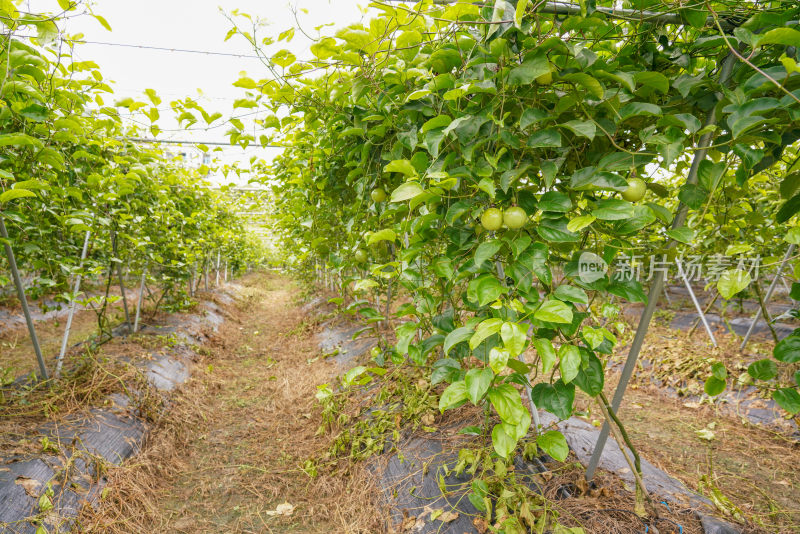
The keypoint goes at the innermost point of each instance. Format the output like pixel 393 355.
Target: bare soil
pixel 17 357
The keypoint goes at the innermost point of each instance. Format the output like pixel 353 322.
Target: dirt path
pixel 232 448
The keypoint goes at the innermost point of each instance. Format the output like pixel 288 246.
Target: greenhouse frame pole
pixel 76 288
pixel 23 300
pixel 778 276
pixel 658 280
pixel 696 303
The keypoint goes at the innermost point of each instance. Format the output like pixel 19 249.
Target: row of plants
pixel 68 169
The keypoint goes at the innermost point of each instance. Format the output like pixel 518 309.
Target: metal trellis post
pixel 121 283
pixel 694 300
pixel 139 303
pixel 23 300
pixel 666 296
pixel 658 280
pixel 757 316
pixel 72 306
pixel 786 286
pixel 217 280
pixel 205 282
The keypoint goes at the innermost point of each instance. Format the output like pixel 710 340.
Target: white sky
pixel 194 25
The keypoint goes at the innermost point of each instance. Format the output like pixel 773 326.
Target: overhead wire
pixel 184 50
pixel 190 129
pixel 166 49
pixel 150 47
pixel 170 49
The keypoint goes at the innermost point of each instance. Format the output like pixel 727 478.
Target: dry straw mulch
pixel 227 455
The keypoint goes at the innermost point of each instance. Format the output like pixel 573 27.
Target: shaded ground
pixel 16 349
pixel 747 470
pixel 59 436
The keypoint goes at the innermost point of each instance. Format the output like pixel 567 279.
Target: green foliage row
pixel 455 110
pixel 67 168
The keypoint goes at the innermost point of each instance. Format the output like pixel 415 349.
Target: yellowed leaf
pixel 411 524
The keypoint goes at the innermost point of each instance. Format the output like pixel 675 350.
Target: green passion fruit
pixel 378 195
pixel 492 219
pixel 515 218
pixel 635 191
pixel 545 79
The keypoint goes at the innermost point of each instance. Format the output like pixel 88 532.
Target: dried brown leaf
pixel 30 485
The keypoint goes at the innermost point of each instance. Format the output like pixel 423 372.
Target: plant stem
pixel 623 440
pixel 705 311
pixel 764 311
